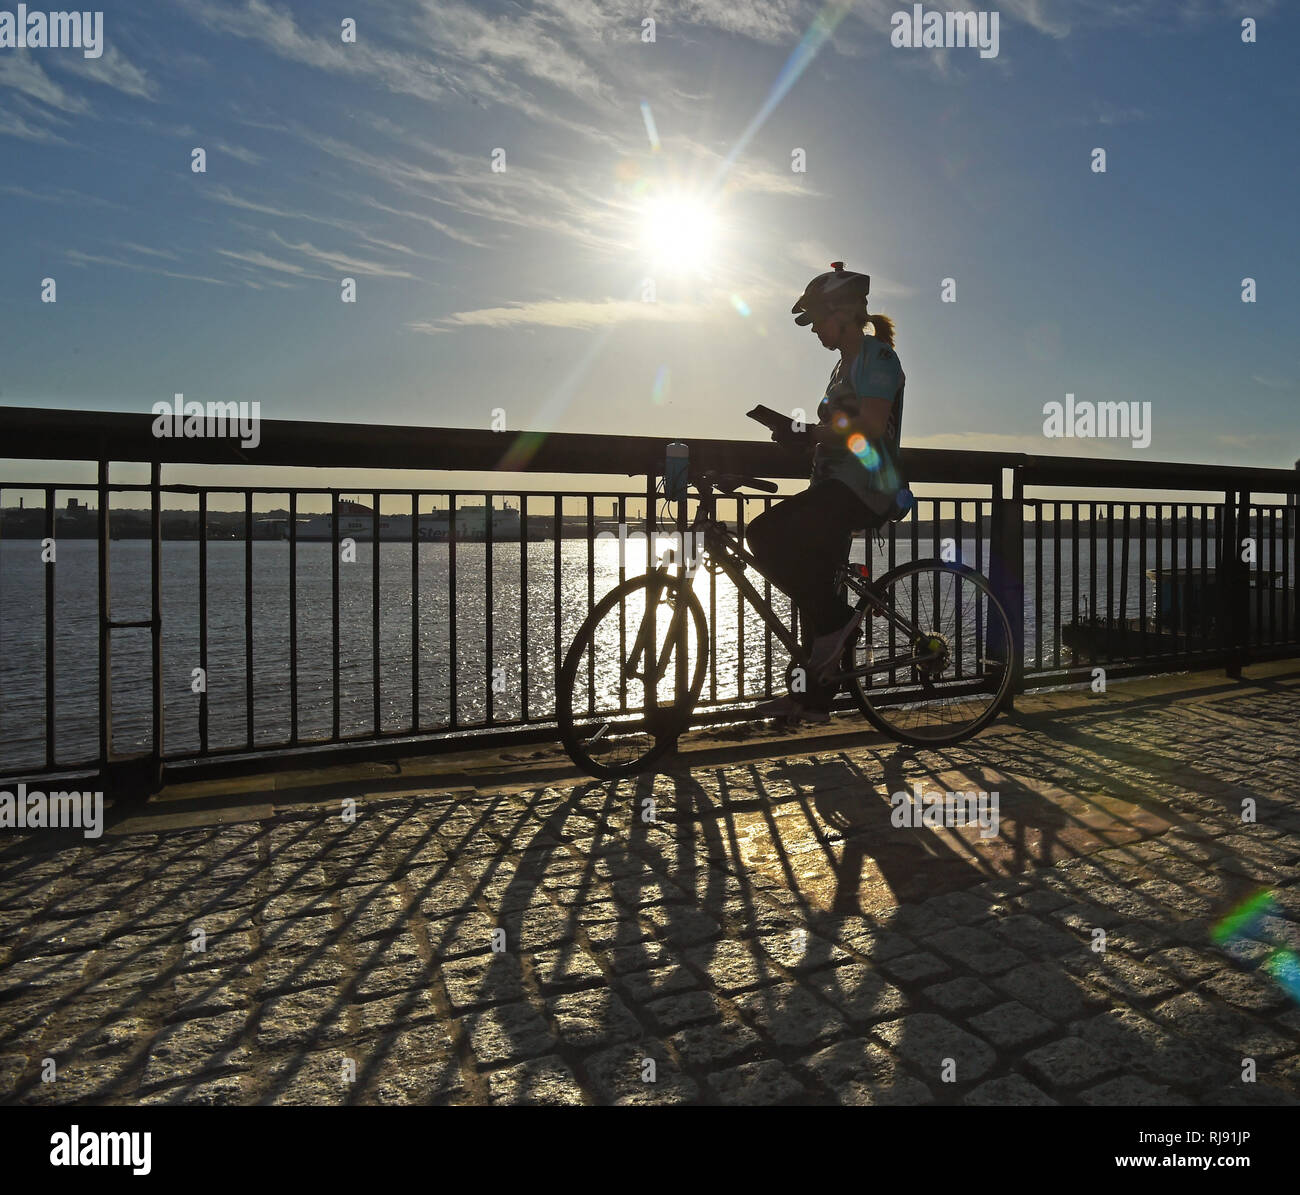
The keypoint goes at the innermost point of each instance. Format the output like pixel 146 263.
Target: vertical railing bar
pixel 452 662
pixel 1187 581
pixel 591 599
pixel 622 603
pixel 293 616
pixel 523 605
pixel 713 623
pixel 248 616
pixel 1038 584
pixel 981 611
pixel 415 610
pixel 1204 604
pixel 767 630
pixel 50 567
pixel 489 601
pixel 1110 569
pixel 155 617
pixel 1056 584
pixel 203 619
pixel 742 507
pixel 1162 589
pixel 337 647
pixel 1254 528
pixel 1123 582
pixel 105 617
pixel 1142 582
pixel 651 612
pixel 558 530
pixel 1289 625
pixel 959 555
pixel 375 663
pixel 1092 581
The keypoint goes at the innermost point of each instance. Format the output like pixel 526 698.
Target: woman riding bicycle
pixel 856 477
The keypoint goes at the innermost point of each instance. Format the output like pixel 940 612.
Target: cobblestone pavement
pixel 769 937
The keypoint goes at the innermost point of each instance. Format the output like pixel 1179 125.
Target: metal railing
pixel 267 638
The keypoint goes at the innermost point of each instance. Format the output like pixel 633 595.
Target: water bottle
pixel 676 464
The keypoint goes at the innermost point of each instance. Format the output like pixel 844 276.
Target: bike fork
pixel 643 644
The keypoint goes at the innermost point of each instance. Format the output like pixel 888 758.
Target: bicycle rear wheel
pixel 632 676
pixel 956 655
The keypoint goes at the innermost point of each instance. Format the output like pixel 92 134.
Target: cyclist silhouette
pixel 855 479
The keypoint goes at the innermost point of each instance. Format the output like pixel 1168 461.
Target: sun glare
pixel 679 232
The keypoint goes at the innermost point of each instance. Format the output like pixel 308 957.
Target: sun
pixel 679 232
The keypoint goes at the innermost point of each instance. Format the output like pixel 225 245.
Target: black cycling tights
pixel 801 541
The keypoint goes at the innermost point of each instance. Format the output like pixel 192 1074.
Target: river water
pixel 22 642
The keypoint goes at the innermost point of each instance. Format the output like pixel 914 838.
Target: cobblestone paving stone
pixel 768 938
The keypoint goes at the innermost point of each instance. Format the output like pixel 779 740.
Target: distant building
pixel 357 521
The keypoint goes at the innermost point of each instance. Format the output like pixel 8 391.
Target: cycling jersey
pixel 874 471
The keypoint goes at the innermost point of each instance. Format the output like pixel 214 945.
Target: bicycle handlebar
pixel 728 482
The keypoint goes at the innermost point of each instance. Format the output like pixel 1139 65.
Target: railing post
pixel 1226 584
pixel 105 630
pixel 1241 587
pixel 1007 571
pixel 1234 583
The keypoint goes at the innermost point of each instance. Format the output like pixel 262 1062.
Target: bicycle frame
pixel 724 549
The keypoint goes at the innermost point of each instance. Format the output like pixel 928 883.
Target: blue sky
pixel 523 289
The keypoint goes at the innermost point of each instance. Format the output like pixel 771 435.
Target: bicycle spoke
pixel 946 692
pixel 610 727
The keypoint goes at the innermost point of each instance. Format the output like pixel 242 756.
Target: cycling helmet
pixel 838 288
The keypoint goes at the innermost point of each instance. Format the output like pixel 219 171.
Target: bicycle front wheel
pixel 632 676
pixel 943 667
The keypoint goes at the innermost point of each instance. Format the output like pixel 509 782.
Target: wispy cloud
pixel 239 153
pixel 576 314
pixel 223 194
pixel 13 125
pixel 148 251
pixel 448 230
pixel 341 261
pixel 111 69
pixel 395 247
pixel 78 258
pixel 278 32
pixel 58 195
pixel 255 257
pixel 22 73
pixel 1273 383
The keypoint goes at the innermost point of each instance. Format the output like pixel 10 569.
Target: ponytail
pixel 882 326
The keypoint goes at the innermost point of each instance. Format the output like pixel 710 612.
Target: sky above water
pixel 508 184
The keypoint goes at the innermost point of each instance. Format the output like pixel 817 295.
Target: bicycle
pixel 610 739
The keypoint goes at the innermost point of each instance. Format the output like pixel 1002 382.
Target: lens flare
pixel 659 390
pixel 1246 924
pixel 650 131
pixel 1245 920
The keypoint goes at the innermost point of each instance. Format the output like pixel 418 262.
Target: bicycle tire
pixel 860 690
pixel 572 723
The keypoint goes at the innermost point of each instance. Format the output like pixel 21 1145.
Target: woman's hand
pixel 792 440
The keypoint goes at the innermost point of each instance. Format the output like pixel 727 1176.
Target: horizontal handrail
pixel 33 433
